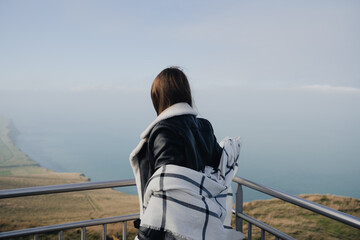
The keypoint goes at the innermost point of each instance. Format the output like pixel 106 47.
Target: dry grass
pixel 35 211
pixel 303 224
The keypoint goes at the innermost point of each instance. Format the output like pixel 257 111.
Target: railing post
pixel 262 234
pixel 60 235
pixel 104 231
pixel 124 230
pixel 239 208
pixel 249 230
pixel 83 233
pixel 36 237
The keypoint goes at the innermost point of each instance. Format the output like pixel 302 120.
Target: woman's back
pixel 177 137
pixel 186 141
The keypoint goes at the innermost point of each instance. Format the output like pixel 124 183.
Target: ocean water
pixel 295 141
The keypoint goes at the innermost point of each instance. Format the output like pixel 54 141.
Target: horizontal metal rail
pixel 314 207
pixel 263 226
pixel 32 191
pixel 66 226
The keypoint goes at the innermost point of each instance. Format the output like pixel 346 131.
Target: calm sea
pixel 298 142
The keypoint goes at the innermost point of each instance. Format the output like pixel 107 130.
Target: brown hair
pixel 169 87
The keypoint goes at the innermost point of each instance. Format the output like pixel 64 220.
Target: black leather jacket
pixel 183 140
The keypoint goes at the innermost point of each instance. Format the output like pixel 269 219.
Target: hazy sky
pixel 99 45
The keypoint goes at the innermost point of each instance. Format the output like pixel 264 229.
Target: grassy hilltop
pixel 17 170
pixel 303 224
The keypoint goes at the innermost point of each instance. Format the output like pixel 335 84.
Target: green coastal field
pixel 17 170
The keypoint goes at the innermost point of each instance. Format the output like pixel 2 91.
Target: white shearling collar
pixel 172 111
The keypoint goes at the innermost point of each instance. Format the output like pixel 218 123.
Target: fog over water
pixel 297 140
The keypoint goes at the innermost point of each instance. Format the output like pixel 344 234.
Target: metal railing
pixel 59 228
pixel 303 203
pixel 73 187
pixel 238 211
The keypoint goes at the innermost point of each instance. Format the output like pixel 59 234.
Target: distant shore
pixel 15 161
pixel 13 131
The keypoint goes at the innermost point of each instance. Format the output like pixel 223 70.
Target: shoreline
pixel 15 163
pixel 13 132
